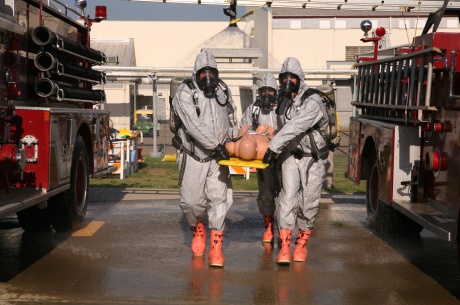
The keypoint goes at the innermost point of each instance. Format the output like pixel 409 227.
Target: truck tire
pixel 379 215
pixel 34 219
pixel 374 207
pixel 68 209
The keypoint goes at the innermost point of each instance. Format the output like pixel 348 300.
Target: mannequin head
pixel 247 148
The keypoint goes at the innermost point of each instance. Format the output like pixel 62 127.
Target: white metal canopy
pixel 381 5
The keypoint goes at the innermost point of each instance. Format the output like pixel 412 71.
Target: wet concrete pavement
pixel 135 249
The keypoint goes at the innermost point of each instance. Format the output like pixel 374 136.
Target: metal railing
pixel 155 75
pixel 397 88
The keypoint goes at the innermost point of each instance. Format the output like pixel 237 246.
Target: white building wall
pixel 312 41
pixel 161 44
pixel 174 44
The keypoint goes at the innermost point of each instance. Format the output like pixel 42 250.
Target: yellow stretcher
pixel 231 162
pixel 169 158
pixel 244 163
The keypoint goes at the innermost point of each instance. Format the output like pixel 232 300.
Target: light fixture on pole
pixel 81 4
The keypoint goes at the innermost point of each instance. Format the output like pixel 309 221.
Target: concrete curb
pixel 103 194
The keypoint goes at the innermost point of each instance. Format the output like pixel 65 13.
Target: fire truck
pixel 53 131
pixel 405 131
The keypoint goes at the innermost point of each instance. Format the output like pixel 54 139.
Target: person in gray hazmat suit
pixel 301 148
pixel 207 116
pixel 262 111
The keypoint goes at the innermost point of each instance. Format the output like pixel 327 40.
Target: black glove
pixel 220 153
pixel 269 157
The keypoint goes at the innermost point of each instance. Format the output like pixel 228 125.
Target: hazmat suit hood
pixel 205 73
pixel 204 59
pixel 268 80
pixel 292 65
pixel 268 88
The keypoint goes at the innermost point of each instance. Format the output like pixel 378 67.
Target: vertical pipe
pixel 429 80
pixel 364 84
pixel 355 94
pixel 370 95
pixel 40 13
pixel 392 92
pixel 155 152
pixel 421 76
pixel 411 98
pixel 357 84
pixel 254 87
pixel 452 72
pixel 122 158
pixel 377 70
pixel 406 80
pixel 398 82
pixel 134 99
pixel 386 90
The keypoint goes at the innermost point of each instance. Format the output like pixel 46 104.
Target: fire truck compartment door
pixel 406 156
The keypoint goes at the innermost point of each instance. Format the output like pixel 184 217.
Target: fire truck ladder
pixel 397 88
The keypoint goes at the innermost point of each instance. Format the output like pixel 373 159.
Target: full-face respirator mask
pixel 267 97
pixel 207 79
pixel 289 85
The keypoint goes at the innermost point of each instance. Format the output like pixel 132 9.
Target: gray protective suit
pixel 265 177
pixel 302 177
pixel 206 186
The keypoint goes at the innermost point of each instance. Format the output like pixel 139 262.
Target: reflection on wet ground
pixel 139 254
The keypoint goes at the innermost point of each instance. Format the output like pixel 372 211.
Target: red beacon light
pixel 101 13
pixel 380 32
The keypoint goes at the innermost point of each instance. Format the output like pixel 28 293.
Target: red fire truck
pixel 53 137
pixel 405 131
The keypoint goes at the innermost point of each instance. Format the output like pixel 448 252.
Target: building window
pixel 324 24
pixel 340 24
pixel 296 25
pixel 452 24
pixel 404 24
pixel 352 51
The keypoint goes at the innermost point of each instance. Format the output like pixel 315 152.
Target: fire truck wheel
pixel 375 208
pixel 68 209
pixel 34 219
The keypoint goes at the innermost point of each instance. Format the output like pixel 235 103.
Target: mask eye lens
pixel 289 77
pixel 267 91
pixel 207 73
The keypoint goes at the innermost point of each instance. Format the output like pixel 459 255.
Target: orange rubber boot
pixel 268 234
pixel 284 256
pixel 300 249
pixel 215 256
pixel 199 240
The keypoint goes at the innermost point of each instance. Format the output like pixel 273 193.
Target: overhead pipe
pixel 45 87
pixel 47 62
pixel 145 71
pixel 44 37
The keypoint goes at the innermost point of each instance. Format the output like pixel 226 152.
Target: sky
pixel 152 11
